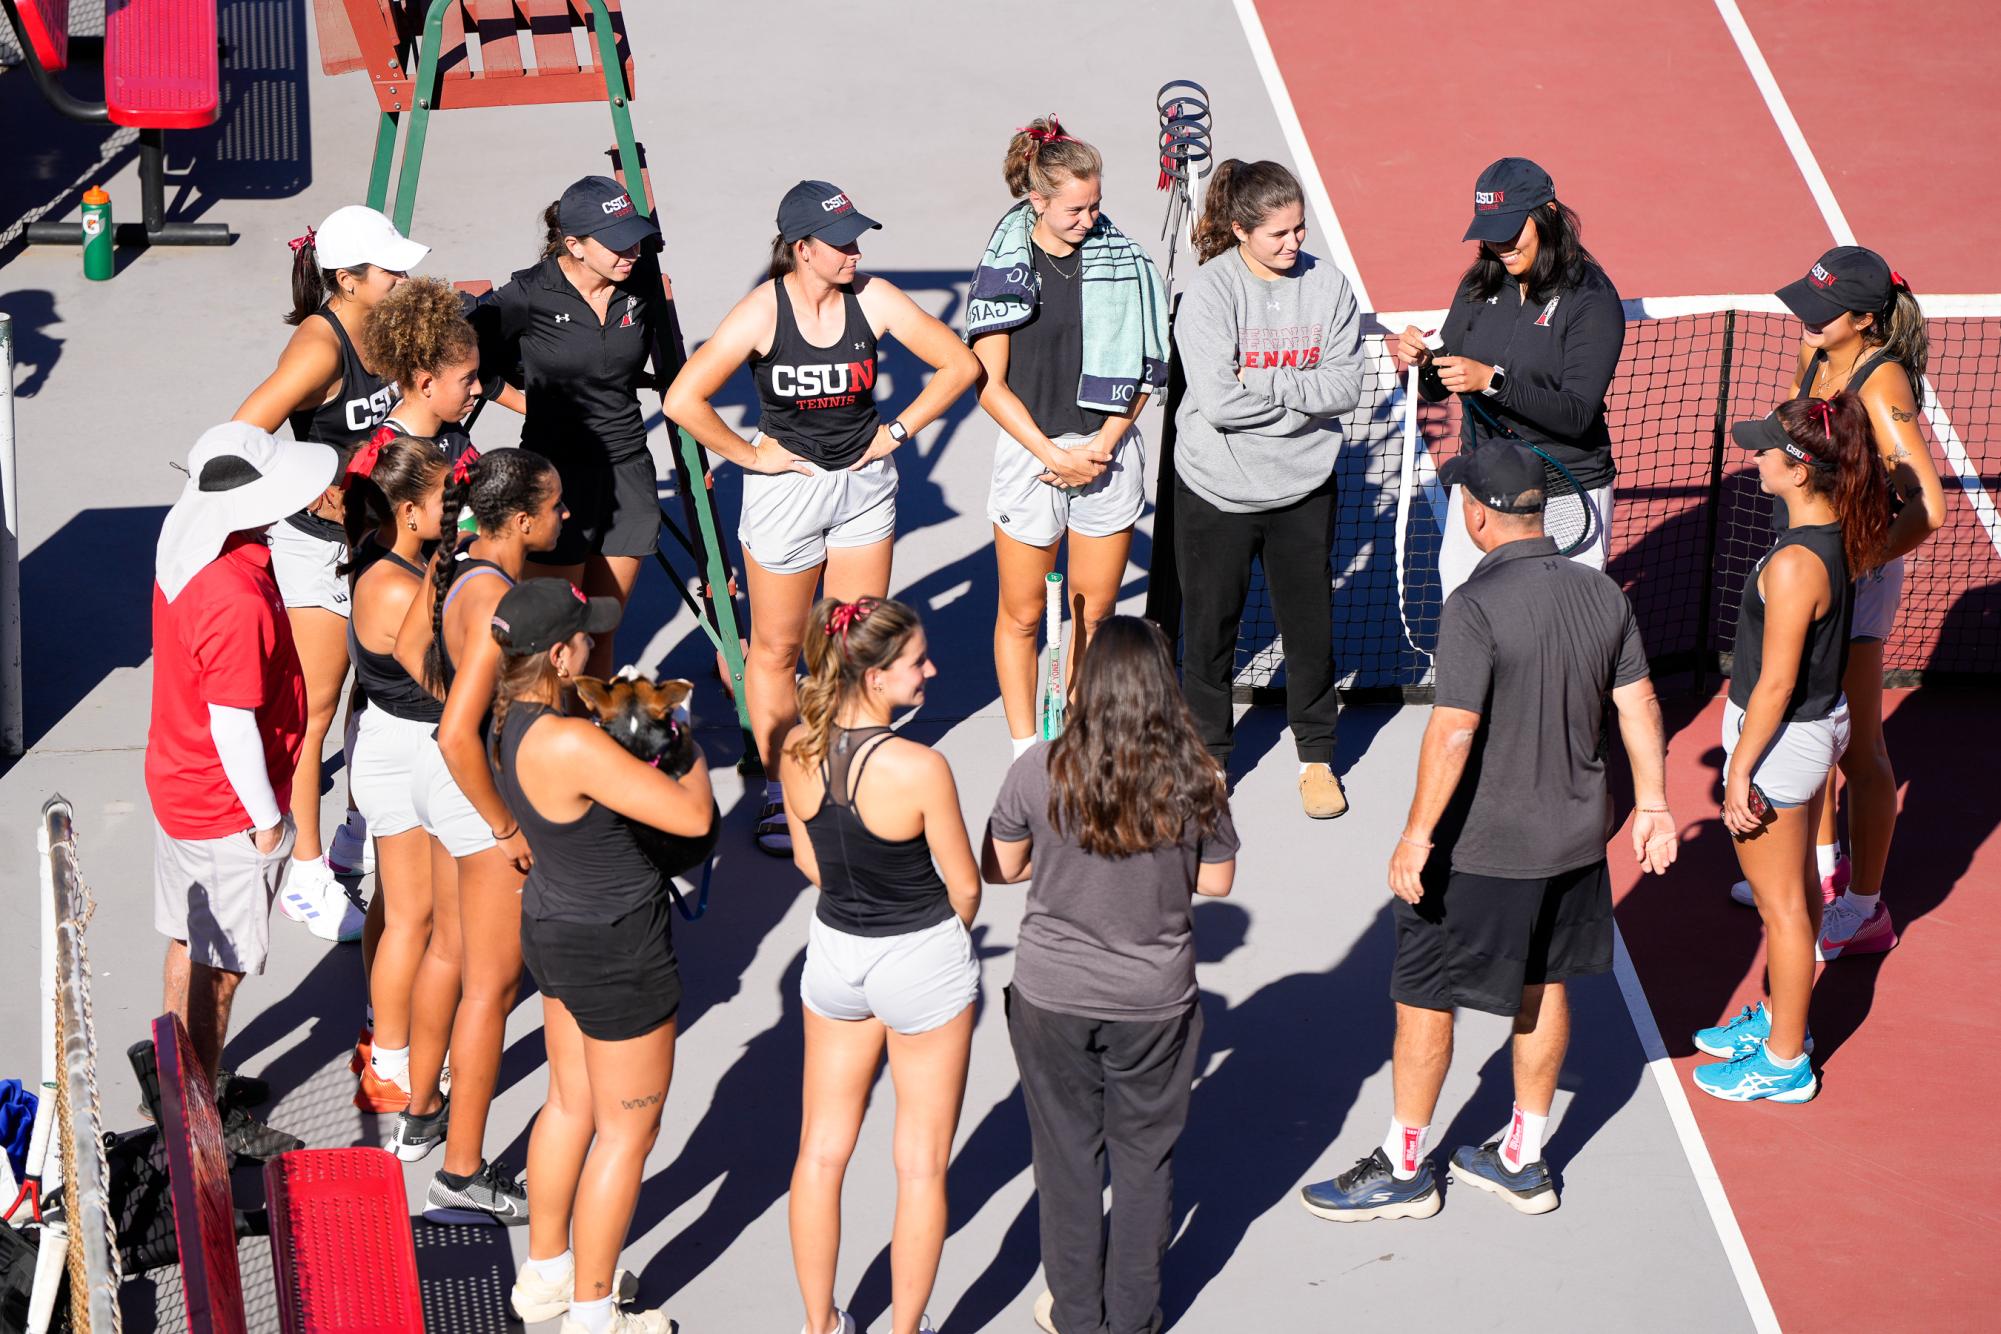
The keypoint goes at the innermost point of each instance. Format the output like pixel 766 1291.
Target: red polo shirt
pixel 225 640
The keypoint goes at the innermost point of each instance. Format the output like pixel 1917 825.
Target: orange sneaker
pixel 377 1094
pixel 364 1047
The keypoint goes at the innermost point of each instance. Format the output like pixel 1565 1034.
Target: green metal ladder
pixel 716 612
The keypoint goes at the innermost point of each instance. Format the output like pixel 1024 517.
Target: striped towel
pixel 1124 307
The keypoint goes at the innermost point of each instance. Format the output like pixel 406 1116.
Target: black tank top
pixel 1856 379
pixel 819 402
pixel 360 403
pixel 586 870
pixel 869 886
pixel 1818 687
pixel 384 683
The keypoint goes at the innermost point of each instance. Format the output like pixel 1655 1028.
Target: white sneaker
pixel 314 896
pixel 1045 1309
pixel 352 852
pixel 843 1324
pixel 536 1298
pixel 627 1322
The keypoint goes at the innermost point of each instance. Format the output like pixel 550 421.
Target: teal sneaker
pixel 1754 1078
pixel 1740 1036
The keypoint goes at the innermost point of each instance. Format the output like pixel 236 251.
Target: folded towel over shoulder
pixel 1124 307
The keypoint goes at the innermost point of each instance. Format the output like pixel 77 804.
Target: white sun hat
pixel 357 235
pixel 239 478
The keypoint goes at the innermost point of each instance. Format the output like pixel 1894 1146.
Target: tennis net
pixel 1688 520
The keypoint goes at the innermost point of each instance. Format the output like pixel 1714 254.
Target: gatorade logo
pixel 1486 201
pixel 1820 277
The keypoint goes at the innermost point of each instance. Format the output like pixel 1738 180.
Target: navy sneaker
pixel 1370 1190
pixel 1531 1190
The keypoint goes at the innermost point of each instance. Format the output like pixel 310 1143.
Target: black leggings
pixel 1214 549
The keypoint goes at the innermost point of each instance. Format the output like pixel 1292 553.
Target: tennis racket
pixel 1052 688
pixel 1567 514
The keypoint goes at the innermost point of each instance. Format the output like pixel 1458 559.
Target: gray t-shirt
pixel 1103 937
pixel 1532 643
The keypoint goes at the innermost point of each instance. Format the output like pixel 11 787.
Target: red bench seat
pixel 341 1243
pixel 161 68
pixel 47 22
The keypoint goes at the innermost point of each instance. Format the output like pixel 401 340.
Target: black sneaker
pixel 1370 1190
pixel 415 1136
pixel 247 1137
pixel 231 1089
pixel 1531 1190
pixel 490 1195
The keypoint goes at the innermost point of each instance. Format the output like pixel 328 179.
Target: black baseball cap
pixel 1503 196
pixel 537 614
pixel 600 207
pixel 823 212
pixel 1768 432
pixel 1498 474
pixel 1848 277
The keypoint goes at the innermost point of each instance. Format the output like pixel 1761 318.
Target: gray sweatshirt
pixel 1270 439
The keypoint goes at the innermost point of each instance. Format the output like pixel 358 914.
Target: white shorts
pixel 306 568
pixel 1795 765
pixel 379 771
pixel 441 808
pixel 1457 555
pixel 1035 513
pixel 216 894
pixel 1878 594
pixel 790 519
pixel 913 983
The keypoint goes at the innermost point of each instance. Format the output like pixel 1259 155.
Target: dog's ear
pixel 659 699
pixel 596 695
pixel 677 692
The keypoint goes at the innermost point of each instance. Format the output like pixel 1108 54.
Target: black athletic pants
pixel 1214 549
pixel 1096 1089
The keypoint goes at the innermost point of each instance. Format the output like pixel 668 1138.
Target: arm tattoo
pixel 1898 414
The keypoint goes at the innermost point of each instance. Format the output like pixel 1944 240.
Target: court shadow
pixel 463 1278
pixel 1277 1093
pixel 36 350
pixel 1262 729
pixel 311 1026
pixel 108 550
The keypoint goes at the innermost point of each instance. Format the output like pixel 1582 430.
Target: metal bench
pixel 341 1243
pixel 198 1174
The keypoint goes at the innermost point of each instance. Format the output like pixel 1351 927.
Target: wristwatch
pixel 1497 383
pixel 898 433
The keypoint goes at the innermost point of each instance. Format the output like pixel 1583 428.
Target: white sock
pixel 1824 856
pixel 773 790
pixel 1793 1064
pixel 1521 1142
pixel 595 1316
pixel 390 1062
pixel 1404 1147
pixel 1021 745
pixel 552 1270
pixel 1864 903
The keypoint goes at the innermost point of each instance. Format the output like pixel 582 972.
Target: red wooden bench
pixel 342 1251
pixel 161 72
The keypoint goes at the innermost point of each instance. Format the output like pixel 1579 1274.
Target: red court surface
pixel 1653 129
pixel 1876 1205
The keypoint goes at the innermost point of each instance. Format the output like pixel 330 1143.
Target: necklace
pixel 1072 274
pixel 1826 375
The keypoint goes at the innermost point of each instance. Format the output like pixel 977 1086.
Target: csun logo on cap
pixel 1488 200
pixel 617 207
pixel 838 204
pixel 1820 277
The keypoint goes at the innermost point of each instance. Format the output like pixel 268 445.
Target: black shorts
pixel 1477 940
pixel 614 509
pixel 618 979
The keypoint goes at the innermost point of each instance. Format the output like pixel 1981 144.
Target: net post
pixel 13 725
pixel 1706 652
pixel 1163 580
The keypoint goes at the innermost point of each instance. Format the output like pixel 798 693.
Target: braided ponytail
pixel 495 487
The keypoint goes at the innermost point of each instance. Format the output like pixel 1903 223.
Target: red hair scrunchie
pixel 299 243
pixel 1824 409
pixel 365 459
pixel 1039 135
pixel 462 469
pixel 845 615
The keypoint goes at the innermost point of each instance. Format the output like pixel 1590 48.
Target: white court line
pixel 1336 243
pixel 1964 471
pixel 1763 1318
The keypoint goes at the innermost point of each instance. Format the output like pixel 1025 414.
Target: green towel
pixel 1124 307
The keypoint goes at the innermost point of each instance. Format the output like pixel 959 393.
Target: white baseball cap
pixel 357 235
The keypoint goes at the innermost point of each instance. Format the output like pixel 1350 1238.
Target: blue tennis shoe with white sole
pixel 1755 1077
pixel 1740 1036
pixel 1370 1189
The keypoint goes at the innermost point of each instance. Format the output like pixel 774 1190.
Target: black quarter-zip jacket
pixel 1559 355
pixel 582 376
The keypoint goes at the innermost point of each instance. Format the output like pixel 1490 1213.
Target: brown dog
pixel 642 717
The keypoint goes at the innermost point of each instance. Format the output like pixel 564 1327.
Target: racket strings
pixel 1186 154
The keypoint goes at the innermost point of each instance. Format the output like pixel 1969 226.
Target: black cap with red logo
pixel 1503 196
pixel 823 212
pixel 600 207
pixel 1846 278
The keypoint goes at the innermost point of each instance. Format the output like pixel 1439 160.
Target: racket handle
pixel 1052 690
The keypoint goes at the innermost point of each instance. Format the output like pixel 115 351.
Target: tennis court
pixel 1871 1207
